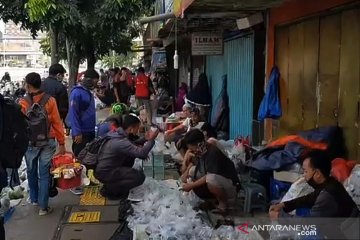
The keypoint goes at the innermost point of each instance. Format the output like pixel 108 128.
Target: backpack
pixel 14 133
pixel 89 155
pixel 38 121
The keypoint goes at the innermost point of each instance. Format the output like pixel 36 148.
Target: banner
pixel 180 6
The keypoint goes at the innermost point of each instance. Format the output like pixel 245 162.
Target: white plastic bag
pixel 352 184
pixel 298 189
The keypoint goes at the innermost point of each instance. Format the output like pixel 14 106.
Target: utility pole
pixel 113 59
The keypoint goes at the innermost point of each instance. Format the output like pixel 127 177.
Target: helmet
pixel 119 108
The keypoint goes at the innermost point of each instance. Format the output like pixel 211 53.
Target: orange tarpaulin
pixel 298 139
pixel 180 6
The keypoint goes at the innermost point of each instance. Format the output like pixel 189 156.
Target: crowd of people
pixel 205 169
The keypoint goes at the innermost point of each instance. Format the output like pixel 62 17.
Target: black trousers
pixel 2 229
pixel 86 138
pixel 121 180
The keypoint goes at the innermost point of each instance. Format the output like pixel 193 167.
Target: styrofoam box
pixel 286 176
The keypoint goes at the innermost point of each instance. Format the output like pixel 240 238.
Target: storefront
pixel 317 49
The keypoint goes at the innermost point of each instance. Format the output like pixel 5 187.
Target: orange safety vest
pixel 142 86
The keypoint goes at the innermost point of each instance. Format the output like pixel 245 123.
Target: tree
pixel 95 26
pixel 118 60
pixel 82 29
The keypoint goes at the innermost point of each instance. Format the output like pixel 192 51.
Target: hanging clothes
pixel 220 114
pixel 270 106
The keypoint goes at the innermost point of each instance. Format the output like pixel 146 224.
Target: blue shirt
pixel 82 111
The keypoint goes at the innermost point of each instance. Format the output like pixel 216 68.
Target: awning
pixel 156 18
pixel 180 6
pixel 178 10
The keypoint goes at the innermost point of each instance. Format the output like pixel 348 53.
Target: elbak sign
pixel 206 43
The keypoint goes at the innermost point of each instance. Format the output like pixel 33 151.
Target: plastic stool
pixel 255 197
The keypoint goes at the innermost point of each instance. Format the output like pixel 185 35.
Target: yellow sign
pixel 92 196
pixel 84 217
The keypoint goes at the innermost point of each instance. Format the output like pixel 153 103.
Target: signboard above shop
pixel 207 43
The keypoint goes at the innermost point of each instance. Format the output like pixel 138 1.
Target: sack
pixel 89 155
pixel 14 137
pixel 38 121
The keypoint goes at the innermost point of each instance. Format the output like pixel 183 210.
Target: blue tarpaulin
pixel 270 106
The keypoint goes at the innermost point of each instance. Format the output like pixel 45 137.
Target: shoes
pixel 43 212
pixel 112 197
pixel 77 190
pixel 32 203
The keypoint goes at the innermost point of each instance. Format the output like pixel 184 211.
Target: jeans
pixel 38 163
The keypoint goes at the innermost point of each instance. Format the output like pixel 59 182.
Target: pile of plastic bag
pixel 164 212
pixel 352 184
pixel 98 104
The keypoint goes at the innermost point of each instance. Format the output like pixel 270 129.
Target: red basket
pixel 61 160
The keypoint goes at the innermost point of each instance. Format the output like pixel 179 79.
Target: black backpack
pixel 14 133
pixel 38 121
pixel 89 155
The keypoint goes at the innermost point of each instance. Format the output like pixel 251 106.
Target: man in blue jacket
pixel 82 111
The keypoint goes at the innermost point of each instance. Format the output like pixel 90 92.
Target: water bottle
pixel 96 131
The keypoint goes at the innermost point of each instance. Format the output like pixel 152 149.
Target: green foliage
pixel 37 9
pixel 46 48
pixel 118 60
pixel 94 26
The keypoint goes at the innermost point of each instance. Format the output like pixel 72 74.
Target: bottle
pixel 96 131
pixel 176 60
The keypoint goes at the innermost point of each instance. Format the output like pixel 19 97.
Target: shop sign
pixel 207 43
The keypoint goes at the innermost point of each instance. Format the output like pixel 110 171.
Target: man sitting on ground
pixel 330 199
pixel 117 157
pixel 214 175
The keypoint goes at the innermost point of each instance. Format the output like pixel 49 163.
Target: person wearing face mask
pixel 53 86
pixel 38 156
pixel 214 175
pixel 329 199
pixel 115 160
pixel 82 111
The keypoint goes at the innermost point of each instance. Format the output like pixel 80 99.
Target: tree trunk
pixel 90 52
pixel 91 60
pixel 73 57
pixel 54 44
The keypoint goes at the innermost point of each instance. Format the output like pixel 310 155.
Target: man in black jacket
pixel 329 200
pixel 52 85
pixel 3 174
